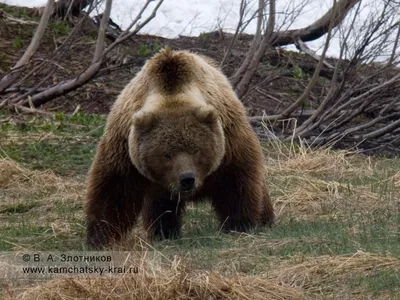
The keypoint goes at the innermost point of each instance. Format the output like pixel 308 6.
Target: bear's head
pixel 177 148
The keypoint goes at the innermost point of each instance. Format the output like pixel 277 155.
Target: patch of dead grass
pixel 307 197
pixel 302 160
pixel 315 274
pixel 396 179
pixel 306 183
pixel 175 282
pixel 20 183
pixel 296 278
pixel 256 242
pixel 21 139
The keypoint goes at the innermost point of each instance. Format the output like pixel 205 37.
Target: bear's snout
pixel 187 181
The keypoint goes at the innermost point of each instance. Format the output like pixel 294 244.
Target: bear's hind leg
pixel 267 214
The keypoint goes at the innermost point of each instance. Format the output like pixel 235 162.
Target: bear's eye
pixel 167 156
pixel 196 151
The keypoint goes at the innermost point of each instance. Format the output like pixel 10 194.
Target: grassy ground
pixel 337 233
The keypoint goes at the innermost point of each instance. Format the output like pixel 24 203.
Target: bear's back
pixel 179 78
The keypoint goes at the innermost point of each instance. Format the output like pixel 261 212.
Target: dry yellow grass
pixel 306 182
pixel 396 179
pixel 315 274
pixel 18 182
pixel 298 278
pixel 13 175
pixel 305 197
pixel 303 160
pixel 175 282
pixel 21 188
pixel 178 286
pixel 19 138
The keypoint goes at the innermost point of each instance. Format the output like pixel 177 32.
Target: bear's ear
pixel 206 115
pixel 144 121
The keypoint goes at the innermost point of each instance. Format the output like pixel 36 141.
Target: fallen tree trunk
pixel 69 8
pixel 317 29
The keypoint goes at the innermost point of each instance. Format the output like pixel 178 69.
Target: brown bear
pixel 177 132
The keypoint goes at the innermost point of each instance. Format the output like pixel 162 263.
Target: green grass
pixel 61 154
pixel 31 225
pixel 377 234
pixel 18 43
pixel 19 208
pixel 3 60
pixel 65 145
pixel 298 73
pixel 205 37
pixel 60 28
pixel 381 281
pixel 148 49
pixel 19 12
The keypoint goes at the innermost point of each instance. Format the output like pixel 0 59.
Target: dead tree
pixel 39 95
pixel 242 77
pixel 361 108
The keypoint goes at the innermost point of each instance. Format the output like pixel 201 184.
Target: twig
pixel 243 5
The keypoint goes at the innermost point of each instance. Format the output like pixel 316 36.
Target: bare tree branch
pixel 253 46
pixel 243 4
pixel 102 32
pixel 313 80
pixel 395 44
pixel 242 86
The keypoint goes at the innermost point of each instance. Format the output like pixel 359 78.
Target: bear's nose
pixel 187 180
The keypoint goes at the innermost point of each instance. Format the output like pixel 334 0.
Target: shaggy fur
pixel 178 114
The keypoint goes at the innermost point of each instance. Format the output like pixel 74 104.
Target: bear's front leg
pixel 237 197
pixel 162 214
pixel 114 198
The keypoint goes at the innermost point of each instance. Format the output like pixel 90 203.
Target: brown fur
pixel 171 71
pixel 178 114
